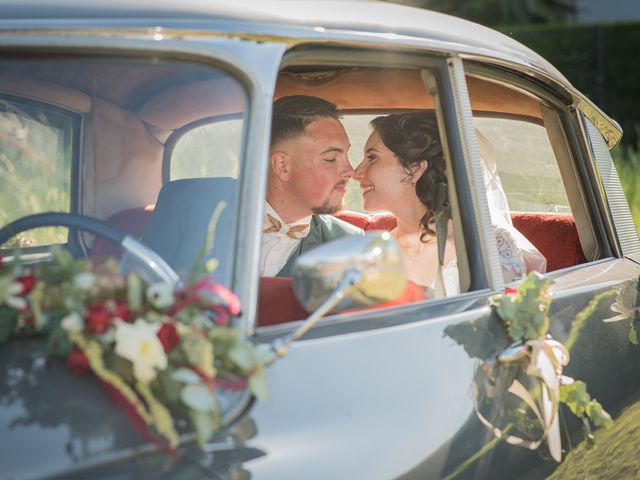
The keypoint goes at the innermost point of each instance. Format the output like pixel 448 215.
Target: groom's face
pixel 320 168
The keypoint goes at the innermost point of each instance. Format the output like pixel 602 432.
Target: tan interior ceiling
pixel 371 89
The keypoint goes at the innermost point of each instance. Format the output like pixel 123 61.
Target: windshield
pixel 152 147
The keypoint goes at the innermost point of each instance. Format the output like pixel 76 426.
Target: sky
pixel 590 11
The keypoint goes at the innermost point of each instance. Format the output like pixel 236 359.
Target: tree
pixel 502 12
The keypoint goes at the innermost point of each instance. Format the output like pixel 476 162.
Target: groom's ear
pixel 281 165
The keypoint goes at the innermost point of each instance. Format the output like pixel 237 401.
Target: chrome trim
pixel 611 131
pixel 475 177
pixel 616 201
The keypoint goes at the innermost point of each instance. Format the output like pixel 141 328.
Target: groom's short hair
pixel 292 114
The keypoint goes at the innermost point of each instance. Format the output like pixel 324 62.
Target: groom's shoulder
pixel 333 227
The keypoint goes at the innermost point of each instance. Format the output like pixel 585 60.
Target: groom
pixel 308 175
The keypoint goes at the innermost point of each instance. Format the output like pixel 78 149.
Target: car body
pixel 103 104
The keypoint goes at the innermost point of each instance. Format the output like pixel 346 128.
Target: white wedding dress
pixel 511 258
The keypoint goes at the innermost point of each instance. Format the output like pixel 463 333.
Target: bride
pixel 402 168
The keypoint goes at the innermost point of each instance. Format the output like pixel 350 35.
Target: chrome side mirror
pixel 352 272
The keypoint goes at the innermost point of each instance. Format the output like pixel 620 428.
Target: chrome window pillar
pixel 474 173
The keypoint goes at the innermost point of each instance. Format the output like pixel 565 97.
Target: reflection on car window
pixel 35 166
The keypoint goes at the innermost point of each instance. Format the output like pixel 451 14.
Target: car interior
pixel 131 141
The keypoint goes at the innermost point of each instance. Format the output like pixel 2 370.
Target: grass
pixel 616 452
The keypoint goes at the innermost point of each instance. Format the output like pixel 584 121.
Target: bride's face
pixel 383 181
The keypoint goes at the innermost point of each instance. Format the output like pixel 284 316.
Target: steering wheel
pixel 149 260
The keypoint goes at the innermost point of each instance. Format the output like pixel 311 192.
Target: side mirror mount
pixel 351 272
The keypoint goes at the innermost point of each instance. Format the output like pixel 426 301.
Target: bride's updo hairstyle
pixel 414 137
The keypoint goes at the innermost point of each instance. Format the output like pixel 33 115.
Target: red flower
pixel 27 282
pixel 168 336
pixel 121 310
pixel 78 362
pixel 98 319
pixel 511 291
pixel 221 315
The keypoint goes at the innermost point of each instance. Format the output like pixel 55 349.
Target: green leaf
pixel 134 292
pixel 59 343
pixel 119 365
pixel 598 415
pixel 194 348
pixel 185 375
pixel 264 354
pixel 575 396
pixel 62 258
pixel 258 384
pixel 203 424
pixel 633 335
pixel 242 354
pixel 198 397
pixel 168 388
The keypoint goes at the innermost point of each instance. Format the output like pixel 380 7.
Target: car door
pixel 390 393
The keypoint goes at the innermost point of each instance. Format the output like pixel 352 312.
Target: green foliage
pixel 598 61
pixel 499 12
pixel 576 397
pixel 35 168
pixel 524 310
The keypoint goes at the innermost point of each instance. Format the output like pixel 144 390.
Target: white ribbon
pixel 546 359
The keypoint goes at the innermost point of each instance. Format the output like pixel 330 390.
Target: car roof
pixel 300 21
pixel 401 22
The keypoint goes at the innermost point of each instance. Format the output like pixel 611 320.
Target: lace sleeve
pixel 511 258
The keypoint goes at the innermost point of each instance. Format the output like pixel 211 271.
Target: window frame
pixel 585 202
pixel 73 235
pixel 436 63
pixel 176 136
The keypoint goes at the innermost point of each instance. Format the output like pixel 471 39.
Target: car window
pixel 36 153
pixel 112 123
pixel 208 150
pixel 522 138
pixel 362 94
pixel 526 163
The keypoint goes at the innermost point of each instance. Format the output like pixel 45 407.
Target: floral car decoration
pixel 529 368
pixel 160 353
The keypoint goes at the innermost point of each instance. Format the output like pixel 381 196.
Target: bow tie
pixel 296 232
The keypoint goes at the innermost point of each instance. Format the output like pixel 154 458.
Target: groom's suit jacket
pixel 323 228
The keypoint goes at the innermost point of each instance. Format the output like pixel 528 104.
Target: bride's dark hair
pixel 413 137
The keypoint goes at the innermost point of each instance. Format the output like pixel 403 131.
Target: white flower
pixel 160 295
pixel 72 323
pixel 12 296
pixel 84 280
pixel 139 344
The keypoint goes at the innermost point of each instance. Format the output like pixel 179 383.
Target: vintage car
pixel 130 122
